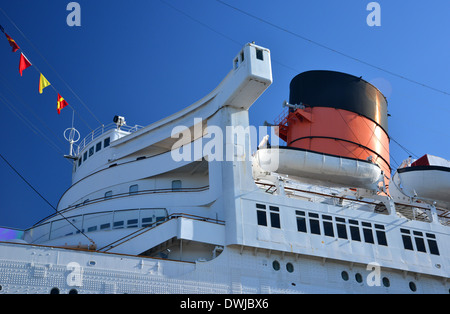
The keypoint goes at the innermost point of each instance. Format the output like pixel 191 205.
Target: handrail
pixel 120 195
pixel 100 131
pixel 155 224
pixel 444 214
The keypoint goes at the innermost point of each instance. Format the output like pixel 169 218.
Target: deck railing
pixel 99 132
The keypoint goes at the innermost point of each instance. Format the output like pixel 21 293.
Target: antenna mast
pixel 72 136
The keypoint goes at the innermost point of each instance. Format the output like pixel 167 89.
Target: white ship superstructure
pixel 184 205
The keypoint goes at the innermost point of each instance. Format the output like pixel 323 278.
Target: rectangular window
pixel 84 156
pixel 275 217
pixel 132 223
pixel 106 142
pixel 146 221
pixel 328 225
pixel 354 230
pixel 301 224
pixel 341 228
pixel 420 244
pixel 368 235
pixel 342 231
pixel 314 224
pixel 275 220
pixel 381 237
pixel 176 185
pixel 92 229
pixel 432 244
pixel 301 221
pixel 407 243
pixel 261 217
pixel 98 146
pixel 259 54
pixel 118 224
pixel 105 226
pixel 80 160
pixel 134 189
pixel 91 151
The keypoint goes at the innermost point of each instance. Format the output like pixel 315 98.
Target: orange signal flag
pixel 24 63
pixel 12 43
pixel 61 103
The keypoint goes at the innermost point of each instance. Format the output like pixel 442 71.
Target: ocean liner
pixel 190 204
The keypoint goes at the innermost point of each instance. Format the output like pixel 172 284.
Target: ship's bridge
pixel 93 153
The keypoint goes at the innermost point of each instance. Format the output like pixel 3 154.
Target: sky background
pixel 147 59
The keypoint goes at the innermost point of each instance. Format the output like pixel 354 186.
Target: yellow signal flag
pixel 43 83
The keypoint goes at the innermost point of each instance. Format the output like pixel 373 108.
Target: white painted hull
pixel 28 269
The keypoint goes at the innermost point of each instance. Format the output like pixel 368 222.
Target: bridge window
pixel 106 142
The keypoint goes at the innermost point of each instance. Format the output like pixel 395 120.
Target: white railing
pixel 99 132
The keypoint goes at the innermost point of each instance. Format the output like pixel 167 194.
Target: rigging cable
pixel 53 69
pixel 45 200
pixel 286 66
pixel 332 49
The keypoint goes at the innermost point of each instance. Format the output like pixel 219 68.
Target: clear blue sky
pixel 145 60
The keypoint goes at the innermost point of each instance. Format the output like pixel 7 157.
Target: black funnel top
pixel 341 91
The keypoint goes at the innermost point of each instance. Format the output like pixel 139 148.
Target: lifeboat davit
pixel 427 179
pixel 325 169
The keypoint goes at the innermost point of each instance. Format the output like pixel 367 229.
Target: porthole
pixel 54 291
pixel 344 275
pixel 289 267
pixel 358 278
pixel 412 286
pixel 276 265
pixel 386 282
